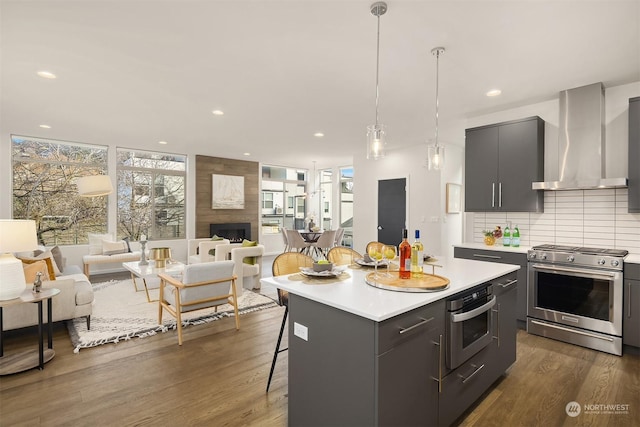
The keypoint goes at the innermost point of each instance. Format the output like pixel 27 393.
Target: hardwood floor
pixel 218 377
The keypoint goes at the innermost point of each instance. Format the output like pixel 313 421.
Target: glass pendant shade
pixel 376 141
pixel 435 157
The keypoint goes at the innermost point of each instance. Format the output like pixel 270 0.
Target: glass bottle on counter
pixel 506 236
pixel 405 256
pixel 515 238
pixel 417 256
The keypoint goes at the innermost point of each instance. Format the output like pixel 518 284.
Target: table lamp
pixel 16 235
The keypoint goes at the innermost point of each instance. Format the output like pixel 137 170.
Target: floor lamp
pixel 16 235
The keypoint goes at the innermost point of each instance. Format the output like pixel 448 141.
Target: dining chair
pixel 339 236
pixel 203 285
pixel 342 255
pixel 285 239
pixel 286 263
pixel 377 244
pixel 297 242
pixel 325 242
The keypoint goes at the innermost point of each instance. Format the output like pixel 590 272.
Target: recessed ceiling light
pixel 46 74
pixel 45 126
pixel 218 113
pixel 318 134
pixel 163 142
pixel 494 92
pixel 247 154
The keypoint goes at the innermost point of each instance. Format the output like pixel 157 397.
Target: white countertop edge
pixel 632 258
pixel 364 300
pixel 472 245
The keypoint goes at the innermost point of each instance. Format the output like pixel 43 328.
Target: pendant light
pixel 375 133
pixel 435 152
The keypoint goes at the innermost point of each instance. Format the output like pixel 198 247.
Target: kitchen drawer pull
pixel 475 312
pixel 506 285
pixel 478 369
pixel 424 322
pixel 573 331
pixel 487 256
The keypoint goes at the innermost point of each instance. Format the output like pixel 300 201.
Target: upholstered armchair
pixel 199 250
pixel 202 285
pixel 248 263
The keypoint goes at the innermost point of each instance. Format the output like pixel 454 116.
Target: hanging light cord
pixel 437 52
pixel 377 64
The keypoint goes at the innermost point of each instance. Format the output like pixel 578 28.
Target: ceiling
pixel 137 72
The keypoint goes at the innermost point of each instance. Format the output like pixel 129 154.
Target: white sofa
pixel 74 300
pixel 89 260
pixel 248 274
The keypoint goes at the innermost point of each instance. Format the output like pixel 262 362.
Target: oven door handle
pixel 475 312
pixel 582 273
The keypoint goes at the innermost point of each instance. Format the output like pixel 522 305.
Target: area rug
pixel 121 313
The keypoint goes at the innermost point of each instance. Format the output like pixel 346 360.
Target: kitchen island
pixel 360 355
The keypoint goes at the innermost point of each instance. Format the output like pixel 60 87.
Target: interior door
pixel 392 210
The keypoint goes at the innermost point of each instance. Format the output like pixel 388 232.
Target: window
pixel 283 198
pixel 346 204
pixel 151 194
pixel 44 189
pixel 326 194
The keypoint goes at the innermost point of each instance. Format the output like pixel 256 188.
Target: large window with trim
pixel 151 194
pixel 44 188
pixel 284 199
pixel 346 204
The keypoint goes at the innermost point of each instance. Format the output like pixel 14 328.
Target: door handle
pixel 493 194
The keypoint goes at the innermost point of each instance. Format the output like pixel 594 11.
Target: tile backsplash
pixel 595 218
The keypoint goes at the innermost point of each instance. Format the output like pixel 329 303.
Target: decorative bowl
pixel 322 267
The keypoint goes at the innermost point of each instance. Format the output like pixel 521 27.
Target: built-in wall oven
pixel 575 295
pixel 469 324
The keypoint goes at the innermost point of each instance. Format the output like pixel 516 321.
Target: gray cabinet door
pixel 631 319
pixel 634 155
pixel 501 162
pixel 481 169
pixel 520 153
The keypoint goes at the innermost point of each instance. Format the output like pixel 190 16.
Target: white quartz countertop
pixel 632 258
pixel 496 247
pixel 353 295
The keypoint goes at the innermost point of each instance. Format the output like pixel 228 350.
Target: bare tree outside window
pixel 44 188
pixel 151 195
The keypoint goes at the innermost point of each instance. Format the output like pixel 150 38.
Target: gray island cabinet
pixel 363 356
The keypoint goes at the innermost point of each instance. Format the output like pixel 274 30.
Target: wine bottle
pixel 515 237
pixel 405 256
pixel 417 256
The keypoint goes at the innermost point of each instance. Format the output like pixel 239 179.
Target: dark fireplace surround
pixel 234 231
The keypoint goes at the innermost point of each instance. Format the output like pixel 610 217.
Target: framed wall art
pixel 227 192
pixel 453 197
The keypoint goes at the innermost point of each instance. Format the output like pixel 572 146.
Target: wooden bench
pixel 89 260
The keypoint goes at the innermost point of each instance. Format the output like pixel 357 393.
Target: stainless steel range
pixel 575 295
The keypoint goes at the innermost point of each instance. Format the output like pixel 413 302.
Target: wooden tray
pixel 425 283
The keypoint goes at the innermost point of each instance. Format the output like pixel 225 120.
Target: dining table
pixel 311 236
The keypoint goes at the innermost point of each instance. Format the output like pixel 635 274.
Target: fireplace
pixel 234 231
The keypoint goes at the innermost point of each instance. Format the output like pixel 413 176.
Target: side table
pixel 29 359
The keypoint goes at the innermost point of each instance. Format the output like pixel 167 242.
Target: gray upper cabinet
pixel 634 155
pixel 501 162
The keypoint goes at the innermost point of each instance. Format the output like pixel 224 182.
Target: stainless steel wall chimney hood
pixel 581 142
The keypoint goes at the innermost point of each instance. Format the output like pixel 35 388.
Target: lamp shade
pixel 94 185
pixel 15 236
